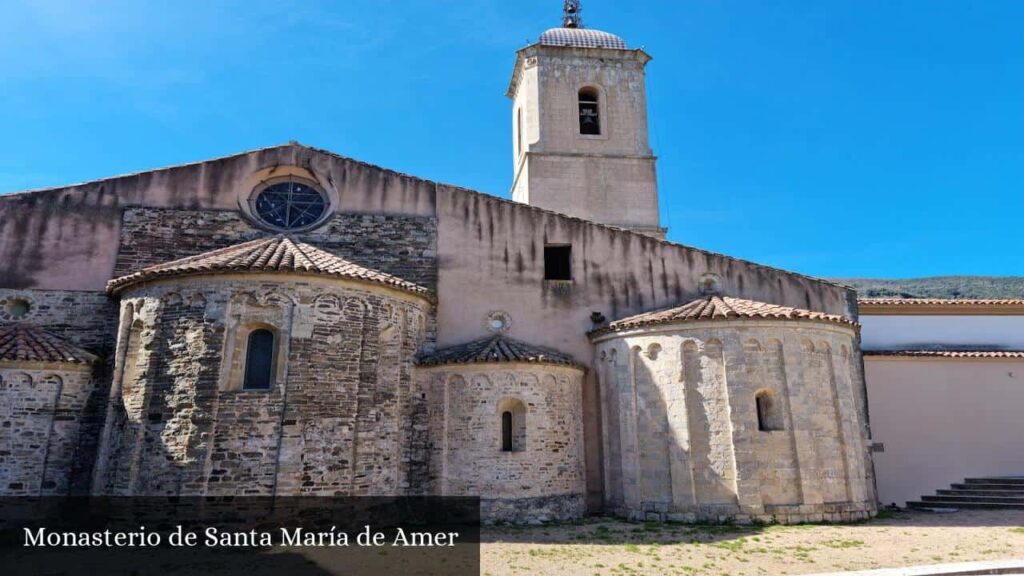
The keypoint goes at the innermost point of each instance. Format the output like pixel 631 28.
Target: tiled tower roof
pixel 581 38
pixel 494 349
pixel 720 308
pixel 276 254
pixel 27 343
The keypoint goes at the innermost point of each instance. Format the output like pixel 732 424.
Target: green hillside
pixel 939 287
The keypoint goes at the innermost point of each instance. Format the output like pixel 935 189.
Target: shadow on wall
pixel 682 460
pixel 154 445
pixel 718 427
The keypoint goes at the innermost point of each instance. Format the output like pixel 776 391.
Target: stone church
pixel 290 321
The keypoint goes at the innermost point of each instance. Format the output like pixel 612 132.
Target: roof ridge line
pixel 157 169
pixel 267 255
pixel 436 184
pixel 644 237
pixel 703 309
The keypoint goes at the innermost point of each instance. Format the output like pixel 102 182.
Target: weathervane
pixel 571 14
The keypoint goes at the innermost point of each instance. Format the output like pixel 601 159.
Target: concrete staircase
pixel 989 492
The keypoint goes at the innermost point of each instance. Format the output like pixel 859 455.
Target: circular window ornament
pixel 498 322
pixel 288 205
pixel 15 308
pixel 710 284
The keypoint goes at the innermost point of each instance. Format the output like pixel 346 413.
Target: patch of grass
pixel 1019 530
pixel 720 528
pixel 887 514
pixel 785 527
pixel 843 543
pixel 802 553
pixel 632 548
pixel 731 545
pixel 602 532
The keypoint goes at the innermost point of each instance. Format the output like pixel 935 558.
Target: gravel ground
pixel 609 546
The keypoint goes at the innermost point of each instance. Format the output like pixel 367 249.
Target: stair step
pixel 965 505
pixel 1019 480
pixel 971 499
pixel 993 486
pixel 982 493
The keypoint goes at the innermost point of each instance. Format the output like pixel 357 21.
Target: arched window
pixel 259 360
pixel 513 425
pixel 769 416
pixel 590 119
pixel 506 431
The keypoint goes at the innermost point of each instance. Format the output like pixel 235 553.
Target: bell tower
pixel 579 127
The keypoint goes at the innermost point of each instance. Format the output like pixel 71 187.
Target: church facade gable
pixel 191 365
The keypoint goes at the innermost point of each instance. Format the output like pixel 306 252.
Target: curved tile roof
pixel 28 343
pixel 940 301
pixel 276 254
pixel 948 353
pixel 720 308
pixel 581 38
pixel 497 349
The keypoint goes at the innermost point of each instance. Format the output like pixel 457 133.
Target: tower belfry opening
pixel 580 140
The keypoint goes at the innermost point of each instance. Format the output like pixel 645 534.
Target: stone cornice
pixel 538 49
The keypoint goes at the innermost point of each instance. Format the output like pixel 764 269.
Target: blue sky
pixel 836 138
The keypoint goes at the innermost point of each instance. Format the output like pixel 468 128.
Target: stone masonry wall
pixel 608 178
pixel 405 246
pixel 543 478
pixel 681 425
pixel 335 420
pixel 89 321
pixel 41 414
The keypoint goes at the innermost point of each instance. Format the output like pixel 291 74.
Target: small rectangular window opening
pixel 558 262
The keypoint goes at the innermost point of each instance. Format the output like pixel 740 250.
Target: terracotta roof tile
pixel 940 301
pixel 497 348
pixel 274 254
pixel 581 38
pixel 720 308
pixel 948 353
pixel 27 343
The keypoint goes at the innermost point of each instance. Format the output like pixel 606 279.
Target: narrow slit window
pixel 590 116
pixel 506 431
pixel 558 262
pixel 259 360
